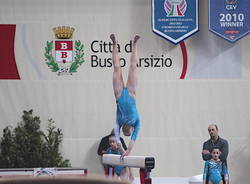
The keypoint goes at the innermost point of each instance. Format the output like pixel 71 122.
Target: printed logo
pixel 175 8
pixel 44 172
pixel 232 37
pixel 231 1
pixel 231 5
pixel 67 55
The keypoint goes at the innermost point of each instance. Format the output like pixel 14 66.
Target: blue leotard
pixel 214 170
pixel 126 114
pixel 118 168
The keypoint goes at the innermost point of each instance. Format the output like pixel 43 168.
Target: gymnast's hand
pixel 130 147
pixel 126 153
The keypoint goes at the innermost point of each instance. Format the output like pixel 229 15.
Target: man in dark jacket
pixel 217 141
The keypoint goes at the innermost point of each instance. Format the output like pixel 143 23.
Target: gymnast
pixel 214 169
pixel 127 116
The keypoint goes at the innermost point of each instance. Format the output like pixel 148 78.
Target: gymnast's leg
pixel 132 75
pixel 118 83
pixel 125 173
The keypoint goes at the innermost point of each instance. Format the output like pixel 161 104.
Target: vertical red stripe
pixel 8 68
pixel 185 60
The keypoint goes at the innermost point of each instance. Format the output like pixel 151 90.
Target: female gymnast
pixel 127 116
pixel 214 169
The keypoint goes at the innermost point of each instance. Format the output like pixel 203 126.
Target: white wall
pixel 174 113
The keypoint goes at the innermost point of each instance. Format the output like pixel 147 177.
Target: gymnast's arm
pixel 205 173
pixel 117 137
pixel 225 172
pixel 130 146
pixel 123 144
pixel 133 138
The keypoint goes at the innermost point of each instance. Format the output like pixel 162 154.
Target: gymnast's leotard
pixel 126 114
pixel 214 170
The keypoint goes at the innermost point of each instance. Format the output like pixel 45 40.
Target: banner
pixel 48 51
pixel 73 52
pixel 229 19
pixel 175 20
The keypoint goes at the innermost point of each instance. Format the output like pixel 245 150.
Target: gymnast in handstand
pixel 127 116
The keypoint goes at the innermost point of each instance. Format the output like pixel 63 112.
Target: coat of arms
pixel 64 55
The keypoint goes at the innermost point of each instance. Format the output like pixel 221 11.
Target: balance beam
pixel 129 161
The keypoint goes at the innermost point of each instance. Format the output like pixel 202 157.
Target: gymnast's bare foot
pixel 137 37
pixel 112 37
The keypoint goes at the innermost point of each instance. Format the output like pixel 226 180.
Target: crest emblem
pixel 175 8
pixel 231 1
pixel 64 55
